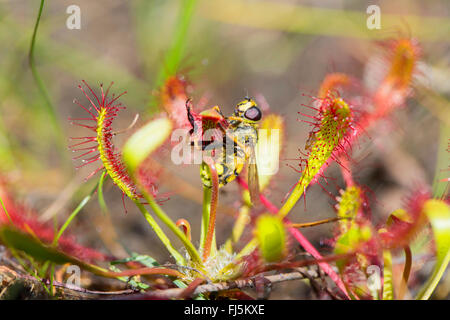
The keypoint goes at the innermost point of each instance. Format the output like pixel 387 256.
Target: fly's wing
pixel 253 180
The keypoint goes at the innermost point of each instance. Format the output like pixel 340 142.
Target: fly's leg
pixel 216 108
pixel 190 117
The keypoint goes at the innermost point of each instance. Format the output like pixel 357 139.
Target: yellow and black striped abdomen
pixel 237 146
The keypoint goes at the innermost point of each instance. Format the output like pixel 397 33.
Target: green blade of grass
pixel 101 199
pixel 49 108
pixel 175 54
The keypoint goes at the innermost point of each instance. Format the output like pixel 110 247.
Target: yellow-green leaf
pixel 271 236
pixel 144 141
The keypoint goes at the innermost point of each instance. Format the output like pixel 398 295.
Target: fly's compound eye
pixel 253 114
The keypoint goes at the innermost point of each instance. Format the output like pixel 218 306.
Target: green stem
pixel 172 226
pixel 291 200
pixel 173 56
pixel 160 233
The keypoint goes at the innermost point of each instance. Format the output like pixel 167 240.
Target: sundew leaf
pixel 332 123
pixel 438 212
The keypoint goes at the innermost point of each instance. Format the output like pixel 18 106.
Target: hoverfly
pixel 239 133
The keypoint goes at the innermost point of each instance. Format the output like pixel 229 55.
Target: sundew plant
pixel 200 150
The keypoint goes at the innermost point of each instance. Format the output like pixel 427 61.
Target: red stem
pixel 187 293
pixel 145 271
pixel 212 210
pixel 406 272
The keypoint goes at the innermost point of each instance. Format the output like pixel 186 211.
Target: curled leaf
pixel 146 140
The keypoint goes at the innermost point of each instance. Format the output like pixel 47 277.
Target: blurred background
pixel 276 51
